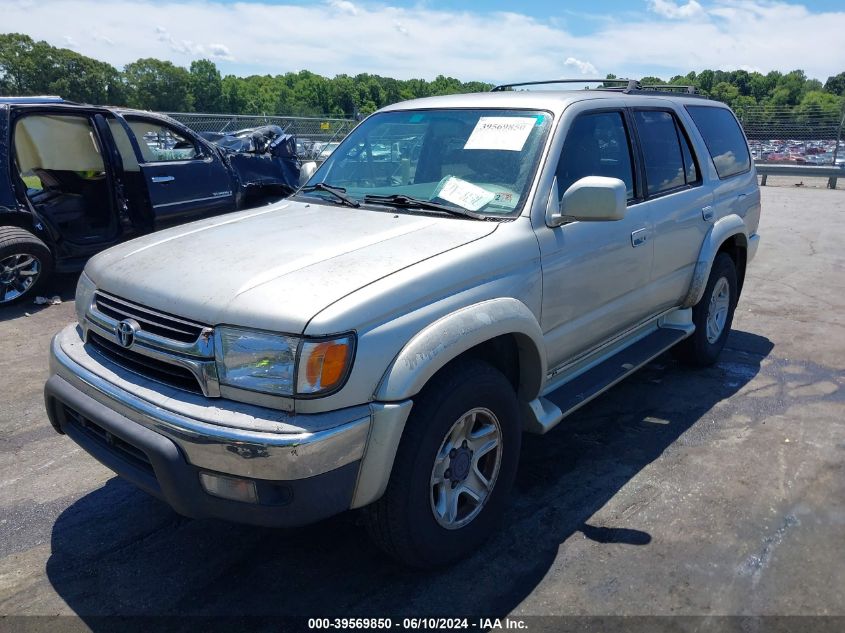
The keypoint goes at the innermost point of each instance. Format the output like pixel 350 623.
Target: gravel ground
pixel 717 491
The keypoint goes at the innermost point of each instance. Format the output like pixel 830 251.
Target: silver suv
pixel 461 269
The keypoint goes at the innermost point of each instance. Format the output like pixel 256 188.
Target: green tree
pixel 835 84
pixel 153 84
pixel 206 86
pixel 21 64
pixel 725 92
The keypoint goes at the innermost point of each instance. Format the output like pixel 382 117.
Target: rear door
pixel 680 207
pixel 185 179
pixel 736 190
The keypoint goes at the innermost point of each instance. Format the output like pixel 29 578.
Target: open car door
pixel 184 179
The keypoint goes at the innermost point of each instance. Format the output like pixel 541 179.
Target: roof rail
pixel 627 86
pixel 669 87
pixel 629 83
pixel 33 99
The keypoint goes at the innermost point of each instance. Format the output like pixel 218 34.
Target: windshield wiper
pixel 409 202
pixel 337 192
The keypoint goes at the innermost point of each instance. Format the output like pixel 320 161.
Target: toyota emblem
pixel 126 331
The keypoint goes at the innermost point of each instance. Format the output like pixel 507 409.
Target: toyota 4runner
pixel 461 269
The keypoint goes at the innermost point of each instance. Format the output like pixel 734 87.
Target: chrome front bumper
pixel 217 436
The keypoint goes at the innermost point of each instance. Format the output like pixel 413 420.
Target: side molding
pixel 721 230
pixel 454 334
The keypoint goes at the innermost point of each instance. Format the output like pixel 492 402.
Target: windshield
pixel 480 161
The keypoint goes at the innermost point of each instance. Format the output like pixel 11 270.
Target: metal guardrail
pixel 809 171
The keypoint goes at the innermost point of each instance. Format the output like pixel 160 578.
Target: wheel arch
pixel 729 235
pixel 501 331
pixel 498 330
pixel 18 220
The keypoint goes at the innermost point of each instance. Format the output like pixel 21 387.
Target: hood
pixel 276 267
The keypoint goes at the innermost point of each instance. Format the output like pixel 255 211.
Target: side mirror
pixel 306 171
pixel 591 199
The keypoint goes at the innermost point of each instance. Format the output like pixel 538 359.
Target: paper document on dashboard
pixel 501 132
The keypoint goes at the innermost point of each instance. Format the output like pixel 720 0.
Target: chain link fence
pixel 314 135
pixel 805 135
pixel 811 135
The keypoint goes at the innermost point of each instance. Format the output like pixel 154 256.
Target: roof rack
pixel 670 87
pixel 630 83
pixel 33 99
pixel 627 86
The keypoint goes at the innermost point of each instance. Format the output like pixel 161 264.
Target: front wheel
pixel 712 315
pixel 25 264
pixel 453 470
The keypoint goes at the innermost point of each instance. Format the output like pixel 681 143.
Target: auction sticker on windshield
pixel 501 132
pixel 463 193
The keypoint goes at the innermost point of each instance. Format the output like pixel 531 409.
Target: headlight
pixel 265 362
pixel 257 361
pixel 84 296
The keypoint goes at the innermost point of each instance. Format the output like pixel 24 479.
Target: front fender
pixel 723 229
pixel 452 335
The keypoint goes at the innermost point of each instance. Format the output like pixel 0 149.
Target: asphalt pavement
pixel 679 492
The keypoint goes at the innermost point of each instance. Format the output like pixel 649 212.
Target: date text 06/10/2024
pixel 417 623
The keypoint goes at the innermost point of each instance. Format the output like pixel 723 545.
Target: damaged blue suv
pixel 76 179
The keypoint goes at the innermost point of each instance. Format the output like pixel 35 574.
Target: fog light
pixel 229 487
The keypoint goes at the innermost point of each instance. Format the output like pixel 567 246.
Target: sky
pixel 495 41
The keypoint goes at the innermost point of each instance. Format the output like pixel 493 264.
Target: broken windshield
pixel 481 161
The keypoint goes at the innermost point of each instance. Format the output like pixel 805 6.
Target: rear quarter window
pixel 724 139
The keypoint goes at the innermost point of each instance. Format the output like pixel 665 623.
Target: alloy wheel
pixel 717 311
pixel 466 468
pixel 18 273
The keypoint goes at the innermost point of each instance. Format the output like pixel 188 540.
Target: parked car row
pixel 799 152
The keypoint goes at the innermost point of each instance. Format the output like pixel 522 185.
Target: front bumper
pixel 162 439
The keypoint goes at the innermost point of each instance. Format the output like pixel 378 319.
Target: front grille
pixel 110 441
pixel 146 366
pixel 152 321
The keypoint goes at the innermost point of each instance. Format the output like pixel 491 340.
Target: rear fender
pixel 723 229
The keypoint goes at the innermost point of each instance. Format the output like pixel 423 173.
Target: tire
pixel 404 522
pixel 22 252
pixel 704 346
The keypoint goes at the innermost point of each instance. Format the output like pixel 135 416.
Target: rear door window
pixel 690 164
pixel 724 139
pixel 662 153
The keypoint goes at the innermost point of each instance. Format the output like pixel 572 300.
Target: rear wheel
pixel 453 470
pixel 712 315
pixel 25 264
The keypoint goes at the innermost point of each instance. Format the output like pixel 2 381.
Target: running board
pixel 546 411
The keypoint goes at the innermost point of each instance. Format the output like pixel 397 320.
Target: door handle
pixel 162 178
pixel 707 213
pixel 639 237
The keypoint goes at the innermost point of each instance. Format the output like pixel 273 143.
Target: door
pixel 679 206
pixel 65 168
pixel 184 179
pixel 736 190
pixel 593 272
